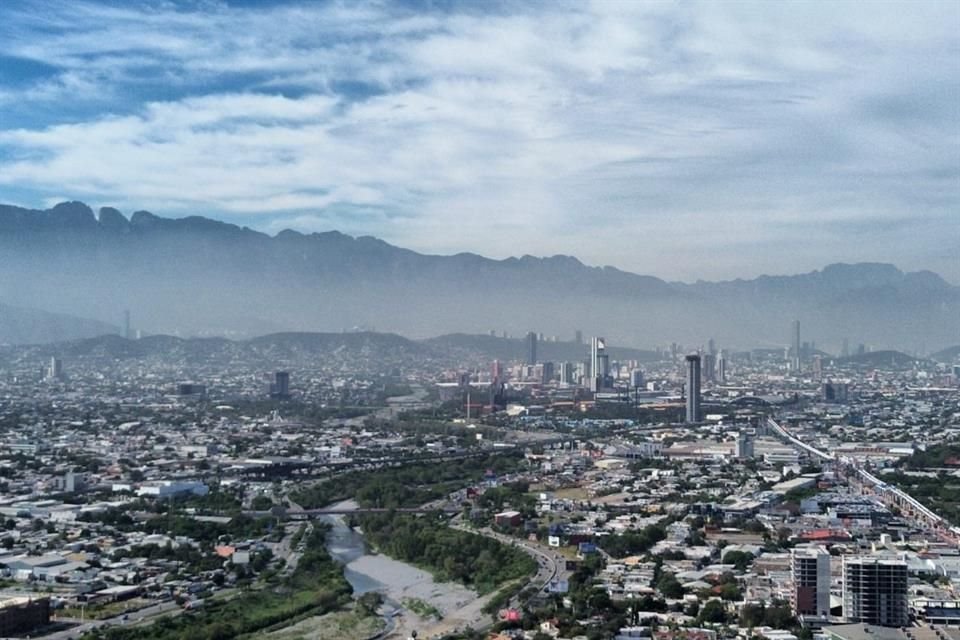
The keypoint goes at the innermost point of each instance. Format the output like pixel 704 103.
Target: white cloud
pixel 640 134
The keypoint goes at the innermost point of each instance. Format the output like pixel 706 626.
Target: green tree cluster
pixel 474 560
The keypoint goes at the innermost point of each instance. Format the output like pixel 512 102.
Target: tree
pixel 261 503
pixel 669 586
pixel 751 615
pixel 740 559
pixel 370 602
pixel 713 611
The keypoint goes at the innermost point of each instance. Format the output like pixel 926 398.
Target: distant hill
pixel 196 276
pixel 883 359
pixel 274 347
pixel 948 355
pixel 19 325
pixel 507 349
pixel 364 348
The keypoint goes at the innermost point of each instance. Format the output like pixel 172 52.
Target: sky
pixel 685 140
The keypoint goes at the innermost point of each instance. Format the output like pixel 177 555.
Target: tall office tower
pixel 875 591
pixel 566 372
pixel 636 379
pixel 709 367
pixel 693 388
pixel 546 372
pixel 721 367
pixel 280 387
pixel 845 350
pixel 54 370
pixel 496 371
pixel 796 345
pixel 817 368
pixel 127 331
pixel 744 446
pixel 599 364
pixel 810 595
pixel 531 348
pixel 711 347
pixel 578 336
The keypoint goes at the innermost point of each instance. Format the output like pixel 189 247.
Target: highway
pixel 548 561
pixel 892 496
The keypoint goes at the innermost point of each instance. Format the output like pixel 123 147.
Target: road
pixel 549 562
pixel 145 615
pixel 148 615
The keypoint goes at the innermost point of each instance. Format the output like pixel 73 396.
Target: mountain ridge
pixel 196 275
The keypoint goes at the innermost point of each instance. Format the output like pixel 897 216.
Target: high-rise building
pixel 127 330
pixel 721 367
pixel 817 368
pixel 834 391
pixel 693 388
pixel 280 387
pixel 709 363
pixel 744 446
pixel 496 371
pixel 578 336
pixel 546 372
pixel 845 349
pixel 636 378
pixel 796 345
pixel 54 369
pixel 810 595
pixel 582 373
pixel 875 591
pixel 599 364
pixel 566 372
pixel 531 348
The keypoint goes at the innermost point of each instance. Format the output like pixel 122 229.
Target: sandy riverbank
pixel 400 582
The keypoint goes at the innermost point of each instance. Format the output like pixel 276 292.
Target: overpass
pixel 890 495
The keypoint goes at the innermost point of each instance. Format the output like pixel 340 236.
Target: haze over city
pixel 682 140
pixel 438 320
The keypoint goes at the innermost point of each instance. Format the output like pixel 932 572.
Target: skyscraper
pixel 578 336
pixel 693 388
pixel 280 387
pixel 531 348
pixel 127 331
pixel 744 446
pixel 496 372
pixel 796 345
pixel 721 367
pixel 709 363
pixel 546 372
pixel 875 591
pixel 599 364
pixel 55 370
pixel 810 595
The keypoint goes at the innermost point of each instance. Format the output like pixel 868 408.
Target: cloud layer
pixel 684 140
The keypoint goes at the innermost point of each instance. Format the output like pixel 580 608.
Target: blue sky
pixel 684 139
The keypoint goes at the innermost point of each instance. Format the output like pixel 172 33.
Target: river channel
pixel 397 581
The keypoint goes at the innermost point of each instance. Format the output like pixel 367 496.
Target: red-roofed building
pixel 825 536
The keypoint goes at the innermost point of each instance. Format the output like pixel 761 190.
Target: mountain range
pixel 197 276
